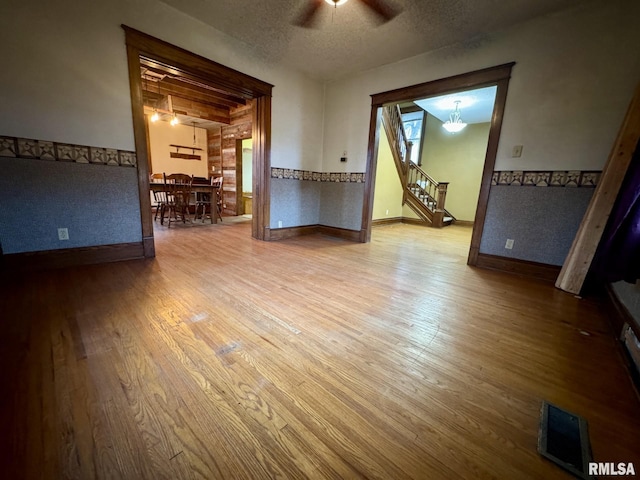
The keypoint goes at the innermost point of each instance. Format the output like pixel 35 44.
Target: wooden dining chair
pixel 178 190
pixel 159 200
pixel 217 183
pixel 203 201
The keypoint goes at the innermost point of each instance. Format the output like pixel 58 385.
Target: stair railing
pixel 400 146
pixel 430 195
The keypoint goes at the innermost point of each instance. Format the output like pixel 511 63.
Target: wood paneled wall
pixel 224 156
pixel 239 129
pixel 214 152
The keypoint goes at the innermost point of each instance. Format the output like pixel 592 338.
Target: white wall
pixel 64 75
pixel 457 159
pixel 162 134
pixel 574 77
pixel 387 200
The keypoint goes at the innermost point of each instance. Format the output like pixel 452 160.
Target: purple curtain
pixel 618 254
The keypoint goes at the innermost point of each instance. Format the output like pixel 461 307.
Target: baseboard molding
pixel 386 221
pixel 541 271
pixel 463 223
pixel 71 257
pixel 352 235
pixel 415 221
pixel 290 232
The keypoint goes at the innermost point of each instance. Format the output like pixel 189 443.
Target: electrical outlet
pixel 279 223
pixel 63 234
pixel 517 151
pixel 509 244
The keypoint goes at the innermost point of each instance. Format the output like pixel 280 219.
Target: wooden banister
pixel 422 192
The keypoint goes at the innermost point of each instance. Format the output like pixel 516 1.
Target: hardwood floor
pixel 313 357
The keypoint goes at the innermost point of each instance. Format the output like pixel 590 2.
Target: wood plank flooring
pixel 314 357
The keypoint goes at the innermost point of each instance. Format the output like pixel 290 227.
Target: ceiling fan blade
pixel 382 9
pixel 307 17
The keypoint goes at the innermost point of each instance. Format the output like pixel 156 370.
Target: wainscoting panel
pixel 341 205
pixel 97 203
pixel 294 203
pixel 541 220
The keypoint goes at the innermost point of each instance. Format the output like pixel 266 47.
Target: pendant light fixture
pixel 154 117
pixel 455 123
pixel 336 3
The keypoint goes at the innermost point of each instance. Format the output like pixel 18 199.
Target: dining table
pixel 196 188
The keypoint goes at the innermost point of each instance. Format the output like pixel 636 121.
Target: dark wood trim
pixel 415 221
pixel 141 141
pixel 541 271
pixel 386 221
pixel 71 257
pixel 275 234
pixel 352 235
pixel 464 81
pixel 149 247
pixel 230 80
pixel 489 165
pixel 370 172
pixel 227 81
pixel 261 143
pixel 464 223
pixel 290 232
pixel 499 76
pixel 239 201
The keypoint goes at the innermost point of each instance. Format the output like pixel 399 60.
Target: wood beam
pixel 576 266
pixel 193 108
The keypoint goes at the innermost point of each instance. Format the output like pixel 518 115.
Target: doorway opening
pixel 230 95
pixel 495 77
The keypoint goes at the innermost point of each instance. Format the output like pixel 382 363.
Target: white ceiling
pixel 348 39
pixel 476 106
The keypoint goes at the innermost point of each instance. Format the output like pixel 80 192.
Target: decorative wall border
pixel 551 178
pixel 337 177
pixel 15 147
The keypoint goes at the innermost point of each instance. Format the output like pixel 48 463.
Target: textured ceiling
pixel 347 39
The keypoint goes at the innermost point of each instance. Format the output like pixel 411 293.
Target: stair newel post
pixel 442 195
pixel 438 217
pixel 407 155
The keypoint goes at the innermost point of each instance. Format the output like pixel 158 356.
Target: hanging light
pixel 455 123
pixel 174 120
pixel 155 117
pixel 336 3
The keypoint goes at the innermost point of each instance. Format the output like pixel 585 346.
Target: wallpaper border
pixel 15 147
pixel 336 177
pixel 550 178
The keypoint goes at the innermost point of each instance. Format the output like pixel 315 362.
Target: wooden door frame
pixel 222 77
pixel 494 76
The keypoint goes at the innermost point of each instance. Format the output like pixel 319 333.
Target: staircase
pixel 422 194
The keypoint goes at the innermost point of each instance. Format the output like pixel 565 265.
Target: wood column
pixel 261 121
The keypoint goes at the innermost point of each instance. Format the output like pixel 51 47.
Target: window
pixel 413 122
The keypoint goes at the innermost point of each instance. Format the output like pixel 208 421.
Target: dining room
pixel 199 149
